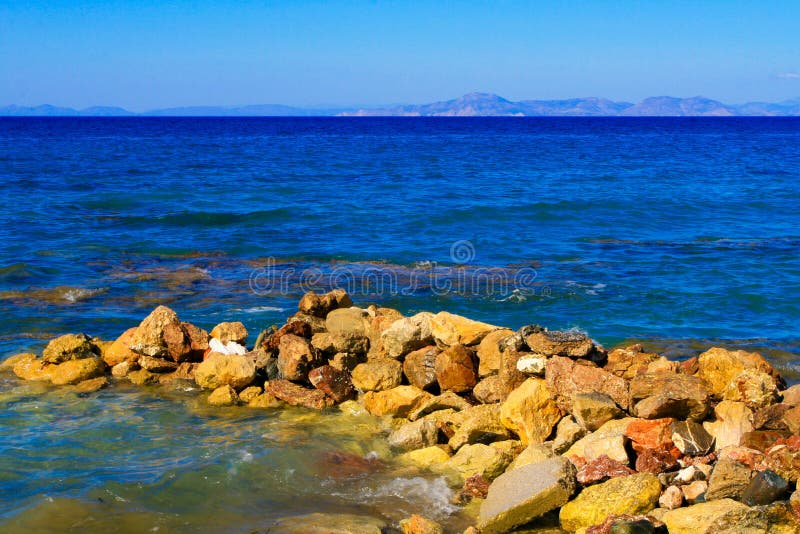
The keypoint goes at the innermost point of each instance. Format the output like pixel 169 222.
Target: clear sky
pixel 145 54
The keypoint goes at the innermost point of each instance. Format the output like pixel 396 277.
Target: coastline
pixel 482 406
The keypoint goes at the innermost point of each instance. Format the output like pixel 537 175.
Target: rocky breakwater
pixel 532 427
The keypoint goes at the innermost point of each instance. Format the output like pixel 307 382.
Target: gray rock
pixel 766 487
pixel 592 410
pixel 416 435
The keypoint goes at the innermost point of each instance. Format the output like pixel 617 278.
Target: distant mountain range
pixel 471 105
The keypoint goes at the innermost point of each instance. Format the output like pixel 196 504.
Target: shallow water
pixel 680 233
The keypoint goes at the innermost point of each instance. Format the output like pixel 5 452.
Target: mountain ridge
pixel 469 105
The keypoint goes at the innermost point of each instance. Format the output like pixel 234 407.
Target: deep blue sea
pixel 681 233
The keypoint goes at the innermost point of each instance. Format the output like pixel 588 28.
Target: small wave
pixel 260 309
pixel 437 493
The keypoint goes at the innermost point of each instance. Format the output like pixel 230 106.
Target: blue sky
pixel 146 54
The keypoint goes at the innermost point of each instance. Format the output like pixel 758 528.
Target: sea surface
pixel 678 233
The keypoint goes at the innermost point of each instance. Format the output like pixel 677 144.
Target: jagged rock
pixel 249 393
pixel 762 440
pixel 425 458
pixel 296 357
pixel 198 341
pixel 652 434
pixel 629 361
pixel 485 460
pixel 294 328
pixel 119 352
pixel 533 454
pixel 784 458
pixel 350 322
pixel 296 395
pixel 631 495
pixel 521 495
pixel 656 461
pixel 489 352
pixel 68 347
pixel 609 439
pixel 479 424
pixel 475 487
pixel 380 320
pixel 771 417
pixel 658 395
pixel 447 400
pixel 230 331
pixel 334 383
pixel 416 435
pixel 397 402
pixel 219 370
pixel 378 375
pixel 455 369
pixel 691 438
pixel 592 410
pixel 344 361
pixel 489 390
pixel 568 431
pixel 416 524
pixel 766 487
pixel 223 396
pixel 671 498
pixel 186 371
pixel 701 518
pixel 728 479
pixel 718 367
pixel 530 412
pixel 510 377
pixel 600 469
pixel 407 334
pixel 567 378
pixel 157 365
pixel 753 387
pixel 792 395
pixel 142 377
pixel 74 371
pixel 419 367
pixel 318 305
pixel 161 335
pixel 734 420
pixel 335 342
pixel 560 343
pixel 791 419
pixel 449 329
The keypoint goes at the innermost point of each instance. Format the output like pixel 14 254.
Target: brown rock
pixel 334 383
pixel 321 305
pixel 629 361
pixel 476 486
pixel 348 321
pixel 419 367
pixel 660 395
pixel 489 351
pixel 380 320
pixel 378 375
pixel 295 328
pixel 690 366
pixel 510 377
pixel 530 412
pixel 218 370
pixel 296 357
pixel 566 378
pixel 717 367
pixel 68 347
pixel 691 438
pixel 600 469
pixel 655 461
pixel 762 440
pixel 198 341
pixel 186 371
pixel 489 390
pixel 771 417
pixel 560 343
pixel 455 369
pixel 449 329
pixel 223 396
pixel 296 395
pixel 344 361
pixel 161 335
pixel 407 334
pixel 568 431
pixel 753 387
pixel 446 401
pixel 784 458
pixel 157 365
pixel 397 402
pixel 729 479
pixel 792 420
pixel 74 371
pixel 792 395
pixel 335 342
pixel 92 385
pixel 695 492
pixel 234 331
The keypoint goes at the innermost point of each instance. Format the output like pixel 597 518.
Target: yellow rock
pixel 33 369
pixel 489 351
pixel 530 411
pixel 481 459
pixel 425 458
pixel 717 367
pixel 67 347
pixel 701 518
pixel 449 329
pixel 9 363
pixel 609 439
pixel 397 402
pixel 219 369
pixel 74 371
pixel 249 393
pixel 753 387
pixel 223 396
pixel 226 332
pixel 265 400
pixel 119 352
pixel 634 495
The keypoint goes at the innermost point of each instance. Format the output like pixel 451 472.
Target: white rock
pixel 231 347
pixel 532 365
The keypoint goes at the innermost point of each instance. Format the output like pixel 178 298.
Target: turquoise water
pixel 682 233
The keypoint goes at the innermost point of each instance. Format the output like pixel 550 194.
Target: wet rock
pixel 74 371
pixel 560 343
pixel 734 420
pixel 318 305
pixel 521 495
pixel 489 390
pixel 489 352
pixel 609 439
pixel 753 387
pixel 629 361
pixel 592 410
pixel 350 322
pixel 419 367
pixel 230 331
pixel 530 412
pixel 296 357
pixel 658 395
pixel 568 431
pixel 718 367
pixel 92 385
pixel 334 383
pixel 142 377
pixel 249 393
pixel 445 401
pixel 567 378
pixel 600 469
pixel 532 364
pixel 488 461
pixel 294 328
pixel 68 347
pixel 335 342
pixel 633 495
pixel 455 369
pixel 161 335
pixel 416 435
pixel 475 487
pixel 265 400
pixel 407 334
pixel 695 492
pixel 691 438
pixel 767 486
pixel 328 523
pixel 379 375
pixel 479 424
pixel 219 370
pixel 33 369
pixel 671 498
pixel 186 371
pixel 9 363
pixel 417 524
pixel 157 365
pixel 397 402
pixel 296 395
pixel 425 458
pixel 223 396
pixel 701 518
pixel 728 479
pixel 448 329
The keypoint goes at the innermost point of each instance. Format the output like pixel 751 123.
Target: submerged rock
pixel 223 396
pixel 488 461
pixel 68 347
pixel 296 395
pixel 92 385
pixel 326 523
pixel 397 402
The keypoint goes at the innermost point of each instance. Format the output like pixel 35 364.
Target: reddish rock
pixel 198 341
pixel 295 328
pixel 762 440
pixel 566 378
pixel 476 486
pixel 342 465
pixel 602 468
pixel 420 367
pixel 656 461
pixel 297 395
pixel 296 357
pixel 654 434
pixel 334 383
pixel 623 523
pixel 658 395
pixel 689 367
pixel 455 369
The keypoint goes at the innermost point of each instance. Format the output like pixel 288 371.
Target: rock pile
pixel 531 424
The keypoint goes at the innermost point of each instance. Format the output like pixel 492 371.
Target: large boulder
pixel 68 347
pixel 379 375
pixel 560 343
pixel 218 370
pixel 657 395
pixel 348 321
pixel 230 331
pixel 162 335
pixel 318 305
pixel 567 378
pixel 32 368
pixel 523 494
pixel 630 495
pixel 397 402
pixel 297 395
pixel 419 367
pixel 755 388
pixel 296 357
pixel 530 412
pixel 489 351
pixel 449 329
pixel 75 371
pixel 455 369
pixel 718 367
pixel 701 518
pixel 407 334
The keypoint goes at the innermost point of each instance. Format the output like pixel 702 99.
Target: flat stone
pixel 530 412
pixel 379 375
pixel 445 401
pixel 521 495
pixel 157 365
pixel 328 523
pixel 560 343
pixel 658 395
pixel 691 438
pixel 533 454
